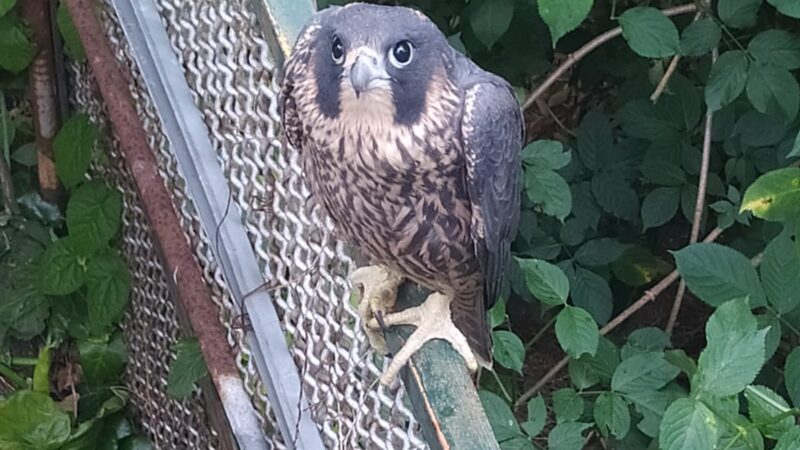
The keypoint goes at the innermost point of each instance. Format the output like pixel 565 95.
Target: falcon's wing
pixel 492 135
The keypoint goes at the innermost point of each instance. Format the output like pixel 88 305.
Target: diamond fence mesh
pixel 232 74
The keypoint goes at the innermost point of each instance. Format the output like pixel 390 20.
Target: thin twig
pixel 662 85
pixel 6 186
pixel 699 206
pixel 581 53
pixel 646 298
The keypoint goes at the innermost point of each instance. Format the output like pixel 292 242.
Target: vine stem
pixel 648 296
pixel 590 46
pixel 699 206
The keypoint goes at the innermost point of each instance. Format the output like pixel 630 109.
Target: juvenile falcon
pixel 413 150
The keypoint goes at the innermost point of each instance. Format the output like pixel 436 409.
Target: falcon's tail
pixel 469 316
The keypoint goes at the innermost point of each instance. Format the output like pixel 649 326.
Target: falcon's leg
pixel 378 293
pixel 433 321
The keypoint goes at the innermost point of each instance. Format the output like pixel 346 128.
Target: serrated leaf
pixel 537 416
pixel 649 33
pixel 651 405
pixel 508 350
pixel 502 420
pixel 546 154
pixel 72 40
pixel 600 252
pixel 792 376
pixel 642 119
pixel 643 372
pixel 660 206
pixel 727 80
pixel 738 13
pixel 681 360
pixel 93 215
pixel 611 415
pixel 757 129
pixel 16 49
pixel 576 331
pixel 31 420
pixel 568 406
pixel 648 339
pixel 739 434
pixel 545 281
pixel 595 140
pixel 790 440
pixel 72 147
pixel 600 366
pixel 734 353
pixel 567 436
pixel 562 17
pixel 780 274
pixel 778 48
pixel 62 269
pixel 663 173
pixel 102 362
pixel 592 293
pixel 108 291
pixel 716 274
pixel 773 91
pixel 616 196
pixel 787 7
pixel 188 367
pixel 490 19
pixel 774 196
pixel 764 406
pixel 700 37
pixel 548 189
pixel 688 424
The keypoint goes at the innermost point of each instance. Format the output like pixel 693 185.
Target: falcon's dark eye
pixel 401 53
pixel 337 50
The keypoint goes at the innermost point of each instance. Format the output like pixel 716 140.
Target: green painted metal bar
pixel 440 388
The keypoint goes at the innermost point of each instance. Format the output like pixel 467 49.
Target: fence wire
pixel 231 73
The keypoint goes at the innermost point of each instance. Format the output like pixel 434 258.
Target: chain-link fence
pixel 231 72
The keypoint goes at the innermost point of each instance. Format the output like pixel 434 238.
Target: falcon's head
pixel 371 60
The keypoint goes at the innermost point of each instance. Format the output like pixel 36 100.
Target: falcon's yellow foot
pixel 378 294
pixel 433 321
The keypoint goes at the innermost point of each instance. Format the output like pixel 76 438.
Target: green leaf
pixel 567 436
pixel 611 415
pixel 642 119
pixel 716 274
pixel 546 282
pixel 787 7
pixel 663 173
pixel 795 148
pixel 598 367
pixel 738 13
pixel 72 40
pixel 517 443
pixel 25 154
pixel 187 368
pixel 643 340
pixel 508 350
pixel 546 154
pixel 773 91
pixel 778 48
pixel 32 420
pixel 700 37
pixel 792 376
pixel 643 372
pixel 600 252
pixel 774 196
pixel 595 140
pixel 548 189
pixel 616 196
pixel 681 360
pixel 16 50
pixel 102 362
pixel 638 266
pixel 687 425
pixel 651 405
pixel 780 274
pixel 62 269
pixel 490 19
pixel 790 440
pixel 660 206
pixel 109 286
pixel 649 33
pixel 562 17
pixel 568 406
pixel 6 5
pixel 502 420
pixel 764 406
pixel 93 215
pixel 72 147
pixel 739 434
pixel 734 353
pixel 576 331
pixel 727 79
pixel 497 315
pixel 591 292
pixel 537 416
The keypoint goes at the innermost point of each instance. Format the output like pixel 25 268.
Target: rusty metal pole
pixel 42 86
pixel 184 273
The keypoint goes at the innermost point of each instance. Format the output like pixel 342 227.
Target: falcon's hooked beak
pixel 367 71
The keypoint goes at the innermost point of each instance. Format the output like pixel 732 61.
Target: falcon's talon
pixel 428 319
pixel 378 294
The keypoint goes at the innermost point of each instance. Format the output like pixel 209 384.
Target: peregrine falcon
pixel 414 152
